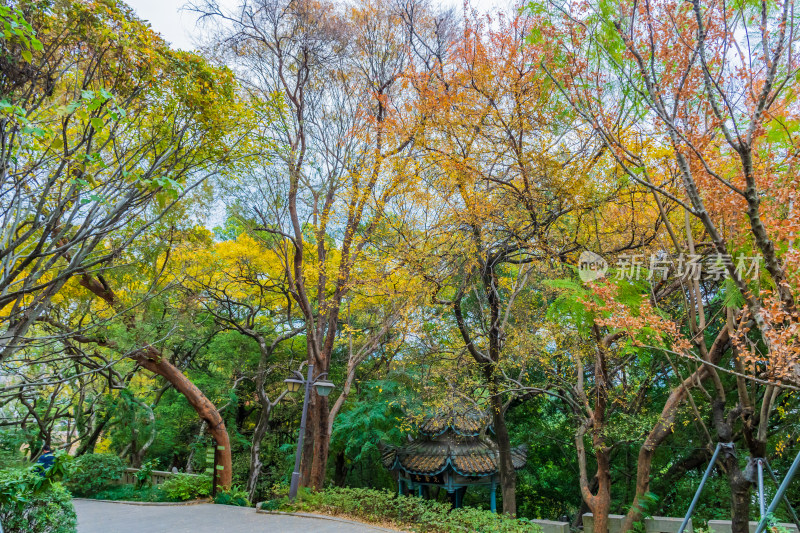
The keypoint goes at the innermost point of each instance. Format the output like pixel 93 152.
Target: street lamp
pixel 323 388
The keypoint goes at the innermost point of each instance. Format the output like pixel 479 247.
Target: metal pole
pixel 700 488
pixel 779 495
pixel 296 474
pixel 785 498
pixel 761 505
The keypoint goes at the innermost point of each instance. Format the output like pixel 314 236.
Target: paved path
pixel 100 517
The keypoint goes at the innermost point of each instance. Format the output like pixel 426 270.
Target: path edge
pixel 325 517
pixel 154 504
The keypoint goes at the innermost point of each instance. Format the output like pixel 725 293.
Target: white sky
pixel 178 26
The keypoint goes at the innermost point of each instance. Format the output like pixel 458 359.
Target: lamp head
pixel 293 384
pixel 324 387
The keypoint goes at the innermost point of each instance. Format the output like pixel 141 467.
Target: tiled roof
pixel 468 421
pixel 468 456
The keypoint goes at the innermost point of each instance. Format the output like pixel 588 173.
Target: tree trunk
pixel 151 360
pixel 740 494
pixel 255 455
pixel 600 504
pixel 665 425
pixel 90 441
pixel 307 458
pixel 258 435
pixel 321 446
pixel 508 476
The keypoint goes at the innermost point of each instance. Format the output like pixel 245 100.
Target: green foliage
pixel 32 501
pixel 143 478
pixel 411 513
pixel 131 493
pixel 182 487
pixel 11 440
pixel 92 473
pixel 236 496
pixel 15 29
pixel 49 511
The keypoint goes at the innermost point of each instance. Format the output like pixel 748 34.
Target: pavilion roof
pixel 467 456
pixel 464 421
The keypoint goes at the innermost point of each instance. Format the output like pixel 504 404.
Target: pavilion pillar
pixel 494 496
pixel 400 486
pixel 460 497
pixel 419 491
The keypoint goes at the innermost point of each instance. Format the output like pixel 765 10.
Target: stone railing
pixel 157 477
pixel 656 524
pixel 724 526
pixel 550 526
pixel 663 524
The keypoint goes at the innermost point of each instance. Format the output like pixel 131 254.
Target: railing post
pixel 785 499
pixel 700 488
pixel 779 495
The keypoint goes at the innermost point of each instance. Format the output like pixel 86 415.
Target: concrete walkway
pixel 101 517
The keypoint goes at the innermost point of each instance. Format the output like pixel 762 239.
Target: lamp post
pixel 293 384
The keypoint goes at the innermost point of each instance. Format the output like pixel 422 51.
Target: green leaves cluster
pixel 33 501
pixel 182 487
pixel 91 473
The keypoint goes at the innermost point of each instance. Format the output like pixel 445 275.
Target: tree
pixel 98 142
pixel 709 87
pixel 342 125
pixel 241 284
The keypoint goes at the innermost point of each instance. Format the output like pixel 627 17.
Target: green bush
pixel 182 487
pixel 144 474
pixel 91 473
pixel 33 502
pixel 50 511
pixel 411 513
pixel 131 493
pixel 235 496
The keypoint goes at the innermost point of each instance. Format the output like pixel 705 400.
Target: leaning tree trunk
pixel 151 359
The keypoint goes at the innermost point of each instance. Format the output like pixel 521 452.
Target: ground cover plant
pixel 405 512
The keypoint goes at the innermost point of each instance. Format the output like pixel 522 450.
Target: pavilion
pixel 454 452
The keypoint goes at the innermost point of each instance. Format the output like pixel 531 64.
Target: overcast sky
pixel 178 26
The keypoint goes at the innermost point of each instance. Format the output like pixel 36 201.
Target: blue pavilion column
pixel 400 486
pixel 494 495
pixel 419 491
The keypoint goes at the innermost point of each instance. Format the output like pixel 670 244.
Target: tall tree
pixel 343 123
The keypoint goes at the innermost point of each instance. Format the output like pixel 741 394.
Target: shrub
pixel 132 493
pixel 235 496
pixel 184 487
pixel 91 473
pixel 411 513
pixel 33 502
pixel 144 474
pixel 50 511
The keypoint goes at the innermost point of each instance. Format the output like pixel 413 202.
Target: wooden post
pixel 214 478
